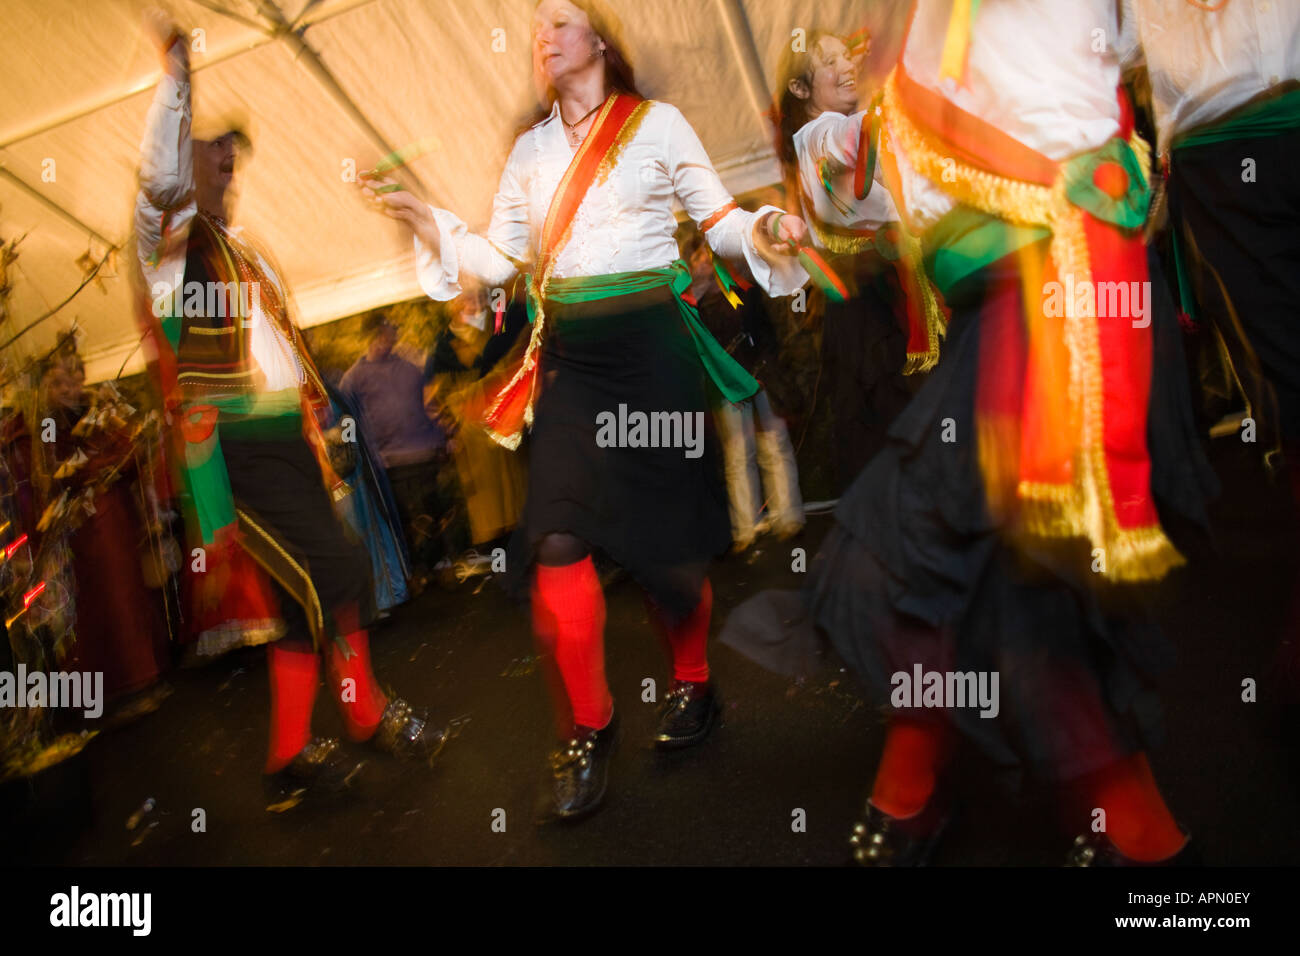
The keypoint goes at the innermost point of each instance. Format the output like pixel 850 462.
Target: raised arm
pixel 166 196
pixel 733 232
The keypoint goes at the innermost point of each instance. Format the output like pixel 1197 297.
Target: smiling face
pixel 563 41
pixel 834 87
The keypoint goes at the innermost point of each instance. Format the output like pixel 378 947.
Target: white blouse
pixel 625 224
pixel 1046 74
pixel 1203 64
pixel 833 138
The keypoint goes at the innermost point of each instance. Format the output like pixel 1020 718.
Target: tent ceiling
pixel 80 76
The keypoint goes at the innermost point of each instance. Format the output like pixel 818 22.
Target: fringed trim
pixel 251 633
pixel 936 324
pixel 1086 508
pixel 840 245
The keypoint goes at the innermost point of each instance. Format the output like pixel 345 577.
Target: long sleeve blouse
pixel 624 224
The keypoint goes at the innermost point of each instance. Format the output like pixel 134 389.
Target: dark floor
pixel 1229 768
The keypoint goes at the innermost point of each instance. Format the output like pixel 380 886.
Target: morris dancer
pixel 872 340
pixel 245 396
pixel 587 196
pixel 1008 525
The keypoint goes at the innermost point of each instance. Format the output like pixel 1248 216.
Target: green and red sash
pixel 616 123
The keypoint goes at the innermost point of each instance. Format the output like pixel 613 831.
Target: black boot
pixel 407 733
pixel 321 766
pixel 687 714
pixel 1095 849
pixel 580 771
pixel 883 840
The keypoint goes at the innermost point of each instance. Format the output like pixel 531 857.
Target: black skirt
pixel 864 348
pixel 916 571
pixel 289 524
pixel 659 512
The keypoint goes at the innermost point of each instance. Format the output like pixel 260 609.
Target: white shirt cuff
pixel 439 275
pixel 786 277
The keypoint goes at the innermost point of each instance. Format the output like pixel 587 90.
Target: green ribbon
pixel 1266 118
pixel 966 240
pixel 727 374
pixel 267 415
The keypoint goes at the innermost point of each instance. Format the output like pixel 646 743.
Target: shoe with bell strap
pixel 1095 849
pixel 883 840
pixel 579 771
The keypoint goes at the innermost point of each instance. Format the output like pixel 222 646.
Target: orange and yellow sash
pixel 616 123
pixel 1063 446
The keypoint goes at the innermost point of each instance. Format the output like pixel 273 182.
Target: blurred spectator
pixel 83 462
pixel 754 438
pixel 388 390
pixel 492 478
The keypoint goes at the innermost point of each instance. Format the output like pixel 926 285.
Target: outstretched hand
pixel 391 198
pixel 781 234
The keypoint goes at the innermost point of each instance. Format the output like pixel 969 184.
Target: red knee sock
pixel 914 753
pixel 294 670
pixel 362 701
pixel 1137 820
pixel 573 604
pixel 688 639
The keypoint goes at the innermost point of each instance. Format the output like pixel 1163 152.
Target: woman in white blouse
pixel 864 339
pixel 619 458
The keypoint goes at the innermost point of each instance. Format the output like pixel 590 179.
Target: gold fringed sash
pixel 1076 500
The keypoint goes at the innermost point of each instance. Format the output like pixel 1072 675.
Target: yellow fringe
pixel 1086 507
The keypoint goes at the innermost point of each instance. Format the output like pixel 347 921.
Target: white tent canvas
pixel 329 86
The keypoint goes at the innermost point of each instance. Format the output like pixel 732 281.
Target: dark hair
pixel 790 112
pixel 619 75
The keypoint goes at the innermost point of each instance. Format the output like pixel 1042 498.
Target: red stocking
pixel 914 753
pixel 572 603
pixel 294 670
pixel 687 640
pixel 361 701
pixel 1137 820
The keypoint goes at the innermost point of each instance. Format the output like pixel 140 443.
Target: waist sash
pixel 1066 455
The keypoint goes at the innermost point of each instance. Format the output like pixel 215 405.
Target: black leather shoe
pixel 1095 849
pixel 580 771
pixel 320 766
pixel 407 733
pixel 882 840
pixel 687 714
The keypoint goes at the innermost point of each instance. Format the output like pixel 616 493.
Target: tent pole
pixel 54 207
pixel 745 50
pixel 316 66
